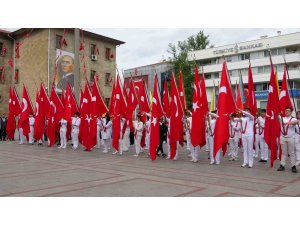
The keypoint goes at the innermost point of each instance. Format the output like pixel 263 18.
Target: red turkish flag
pixel 88 125
pixel 181 91
pixel 272 125
pixel 166 99
pixel 17 49
pixel 26 110
pixel 119 108
pixel 63 97
pixel 112 99
pixel 39 123
pixel 56 114
pixel 98 107
pixel 132 101
pixel 157 112
pixel 251 93
pixel 44 101
pixel 141 91
pixel 14 110
pixel 16 76
pixel 2 74
pixel 71 105
pixel 226 106
pixel 284 97
pixel 11 62
pixel 176 113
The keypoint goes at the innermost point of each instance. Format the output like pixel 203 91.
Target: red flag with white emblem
pixel 132 103
pixel 98 106
pixel 181 91
pixel 14 110
pixel 166 99
pixel 251 93
pixel 26 110
pixel 39 124
pixel 272 125
pixel 44 101
pixel 284 97
pixel 176 115
pixel 226 106
pixel 141 91
pixel 157 112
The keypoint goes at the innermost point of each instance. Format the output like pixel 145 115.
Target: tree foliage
pixel 179 60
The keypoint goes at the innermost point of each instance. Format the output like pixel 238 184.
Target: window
pixel 93 73
pixel 261 87
pixel 245 56
pixel 228 59
pixel 107 53
pixel 58 41
pixel 207 76
pixel 260 69
pixel 1 48
pixel 108 79
pixel 93 49
pixel 16 78
pixel 216 75
pixel 263 104
pixel 107 102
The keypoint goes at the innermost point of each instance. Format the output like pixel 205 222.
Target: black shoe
pixel 294 170
pixel 261 160
pixel 157 154
pixel 281 168
pixel 164 155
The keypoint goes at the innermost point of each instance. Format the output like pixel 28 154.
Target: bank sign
pixel 264 94
pixel 237 48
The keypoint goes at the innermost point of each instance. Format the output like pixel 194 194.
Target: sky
pixel 149 45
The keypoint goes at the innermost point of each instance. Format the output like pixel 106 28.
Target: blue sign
pixel 264 94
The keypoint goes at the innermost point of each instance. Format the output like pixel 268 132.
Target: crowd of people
pixel 246 134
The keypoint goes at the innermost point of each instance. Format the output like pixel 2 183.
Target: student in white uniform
pixel 247 130
pixel 147 127
pixel 287 139
pixel 126 142
pixel 297 139
pixel 63 133
pixel 99 125
pixel 123 123
pixel 138 126
pixel 31 125
pixel 106 133
pixel 264 150
pixel 234 129
pixel 211 117
pixel 75 130
pixel 187 121
pixel 194 150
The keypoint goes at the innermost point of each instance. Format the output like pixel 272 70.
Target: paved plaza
pixel 27 170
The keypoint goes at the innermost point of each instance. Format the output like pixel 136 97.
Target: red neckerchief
pixel 234 130
pixel 244 130
pixel 285 131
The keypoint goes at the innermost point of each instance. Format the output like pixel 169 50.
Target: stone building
pixel 41 49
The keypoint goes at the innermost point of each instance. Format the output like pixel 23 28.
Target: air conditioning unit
pixel 94 57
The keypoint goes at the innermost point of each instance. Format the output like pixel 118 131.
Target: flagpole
pixel 289 81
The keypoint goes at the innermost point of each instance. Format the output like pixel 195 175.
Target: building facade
pixel 257 51
pixel 147 73
pixel 42 54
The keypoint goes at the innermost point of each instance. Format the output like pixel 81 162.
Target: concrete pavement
pixel 31 170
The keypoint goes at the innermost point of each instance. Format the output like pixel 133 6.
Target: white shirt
pixel 106 130
pixel 63 123
pixel 76 122
pixel 234 129
pixel 260 125
pixel 138 126
pixel 31 121
pixel 287 130
pixel 189 123
pixel 247 124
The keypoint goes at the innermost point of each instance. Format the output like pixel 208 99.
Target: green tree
pixel 179 60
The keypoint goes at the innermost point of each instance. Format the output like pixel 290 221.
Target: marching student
pixel 234 129
pixel 123 125
pixel 106 133
pixel 99 125
pixel 147 127
pixel 264 150
pixel 138 126
pixel 287 139
pixel 63 133
pixel 31 125
pixel 188 124
pixel 126 137
pixel 162 128
pixel 247 130
pixel 194 150
pixel 211 118
pixel 75 130
pixel 297 139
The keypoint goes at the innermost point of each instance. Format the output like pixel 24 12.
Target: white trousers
pixel 287 147
pixel 107 144
pixel 194 153
pixel 74 135
pixel 248 149
pixel 234 147
pixel 211 151
pixel 22 137
pixel 147 140
pixel 257 145
pixel 137 142
pixel 98 137
pixel 31 139
pixel 126 142
pixel 297 148
pixel 188 141
pixel 63 136
pixel 264 150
